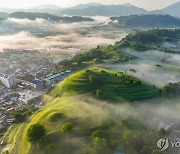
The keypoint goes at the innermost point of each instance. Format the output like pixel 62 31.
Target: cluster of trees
pixel 36 132
pixel 167 33
pixel 141 144
pixel 102 142
pixel 98 54
pixel 172 89
pixel 134 45
pixel 128 80
pixel 142 41
pixel 132 82
pixel 129 142
pixel 143 37
pixel 23 114
pixel 139 41
pixel 139 46
pixel 99 144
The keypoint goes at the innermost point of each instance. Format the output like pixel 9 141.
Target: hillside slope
pixel 87 116
pixel 151 39
pixel 97 126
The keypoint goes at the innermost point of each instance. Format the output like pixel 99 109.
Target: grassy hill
pixel 96 56
pixel 97 126
pixel 110 84
pixel 85 118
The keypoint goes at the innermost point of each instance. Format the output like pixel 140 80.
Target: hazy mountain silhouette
pixel 153 21
pixel 83 6
pixel 106 10
pixel 33 16
pixel 173 9
pixel 91 9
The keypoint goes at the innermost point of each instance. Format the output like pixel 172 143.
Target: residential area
pixel 17 94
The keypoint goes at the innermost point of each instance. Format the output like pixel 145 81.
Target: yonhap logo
pixel 163 144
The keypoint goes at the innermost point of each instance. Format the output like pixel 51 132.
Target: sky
pixel 147 4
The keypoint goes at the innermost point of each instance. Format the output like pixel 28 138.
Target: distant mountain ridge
pixel 93 9
pixel 84 6
pixel 33 16
pixel 173 9
pixel 46 6
pixel 157 12
pixel 118 10
pixel 3 15
pixel 153 21
pixel 106 10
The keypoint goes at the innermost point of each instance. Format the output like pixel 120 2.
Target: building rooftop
pixel 36 81
pixel 4 76
pixel 50 77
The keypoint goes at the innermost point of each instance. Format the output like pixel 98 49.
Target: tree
pixel 137 143
pixel 127 136
pixel 136 82
pixel 36 132
pixel 97 133
pixel 161 131
pixel 66 127
pixel 97 61
pixel 98 93
pixel 19 117
pixel 99 143
pixel 92 78
pixel 125 122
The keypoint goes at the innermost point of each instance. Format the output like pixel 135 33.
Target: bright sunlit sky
pixel 147 4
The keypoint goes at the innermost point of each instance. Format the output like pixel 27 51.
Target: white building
pixel 8 81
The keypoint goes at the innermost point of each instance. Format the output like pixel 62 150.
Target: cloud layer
pixel 54 36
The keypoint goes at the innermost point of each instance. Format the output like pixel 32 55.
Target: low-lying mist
pixel 156 67
pixel 56 36
pixel 149 112
pixel 69 42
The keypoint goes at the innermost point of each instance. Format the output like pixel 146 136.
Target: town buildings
pixel 7 81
